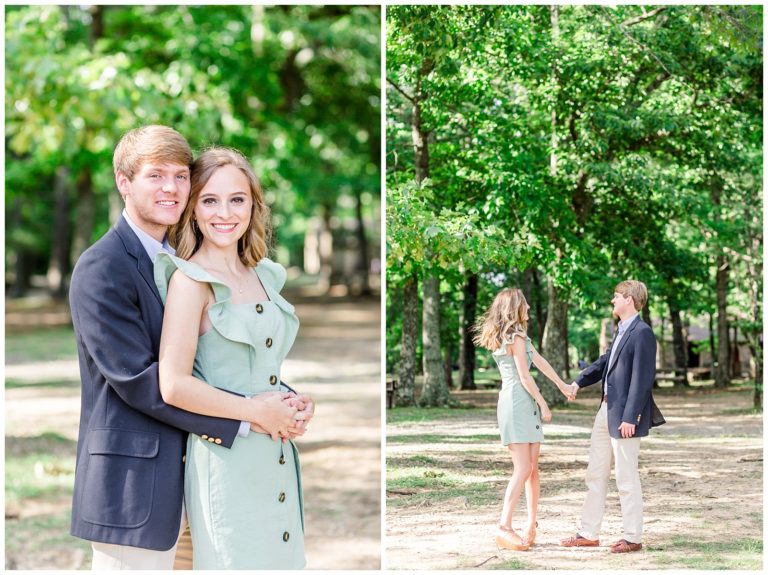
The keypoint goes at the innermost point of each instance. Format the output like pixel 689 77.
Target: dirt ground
pixel 336 359
pixel 702 476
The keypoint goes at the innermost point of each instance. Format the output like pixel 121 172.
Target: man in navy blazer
pixel 128 496
pixel 627 370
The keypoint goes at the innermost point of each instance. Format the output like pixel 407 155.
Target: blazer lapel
pixel 136 250
pixel 622 343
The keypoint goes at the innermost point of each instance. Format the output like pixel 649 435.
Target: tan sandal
pixel 506 538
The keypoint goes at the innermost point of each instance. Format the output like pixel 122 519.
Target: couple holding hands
pixel 183 412
pixel 627 370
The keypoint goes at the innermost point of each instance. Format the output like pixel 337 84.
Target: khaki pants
pixel 603 451
pixel 109 557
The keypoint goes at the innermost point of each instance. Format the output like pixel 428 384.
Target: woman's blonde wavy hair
pixel 505 317
pixel 253 245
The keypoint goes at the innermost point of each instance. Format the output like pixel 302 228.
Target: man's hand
pixel 627 429
pixel 574 389
pixel 305 406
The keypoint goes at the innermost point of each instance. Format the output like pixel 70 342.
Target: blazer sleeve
pixel 594 372
pixel 642 375
pixel 105 306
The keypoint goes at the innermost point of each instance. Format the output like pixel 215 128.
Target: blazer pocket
pixel 120 478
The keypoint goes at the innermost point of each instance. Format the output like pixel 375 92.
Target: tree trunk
pixel 19 254
pixel 734 359
pixel 678 344
pixel 757 354
pixel 555 344
pixel 435 392
pixel 85 214
pixel 326 251
pixel 448 364
pixel 712 346
pixel 404 394
pixel 362 243
pixel 722 365
pixel 646 314
pixel 467 347
pixel 58 265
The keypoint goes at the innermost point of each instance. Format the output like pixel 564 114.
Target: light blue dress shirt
pixel 623 326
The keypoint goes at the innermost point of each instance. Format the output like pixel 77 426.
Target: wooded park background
pixel 295 88
pixel 562 149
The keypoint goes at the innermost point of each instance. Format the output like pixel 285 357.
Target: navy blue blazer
pixel 129 476
pixel 629 380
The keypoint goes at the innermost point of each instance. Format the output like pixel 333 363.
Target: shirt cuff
pixel 245 429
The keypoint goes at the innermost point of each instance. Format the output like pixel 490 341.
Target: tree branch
pixel 644 16
pixel 411 99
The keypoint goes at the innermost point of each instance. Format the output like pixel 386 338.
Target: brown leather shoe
pixel 624 546
pixel 579 541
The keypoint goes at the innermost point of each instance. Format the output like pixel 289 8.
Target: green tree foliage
pixel 580 146
pixel 295 88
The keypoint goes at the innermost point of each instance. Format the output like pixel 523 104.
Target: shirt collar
pixel 150 244
pixel 624 324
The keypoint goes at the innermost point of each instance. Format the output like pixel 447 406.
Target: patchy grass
pixel 404 415
pixel 48 344
pixel 739 411
pixel 414 485
pixel 45 536
pixel 698 481
pixel 511 564
pixel 745 553
pixel 11 383
pixel 40 467
pixel 434 438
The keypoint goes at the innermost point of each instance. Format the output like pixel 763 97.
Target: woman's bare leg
pixel 521 460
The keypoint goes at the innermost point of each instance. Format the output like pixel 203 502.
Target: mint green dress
pixel 244 504
pixel 518 415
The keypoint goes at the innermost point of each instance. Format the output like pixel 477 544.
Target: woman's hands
pixel 568 391
pixel 282 415
pixel 272 414
pixel 546 414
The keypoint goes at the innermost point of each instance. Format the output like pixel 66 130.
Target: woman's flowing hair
pixel 186 237
pixel 505 317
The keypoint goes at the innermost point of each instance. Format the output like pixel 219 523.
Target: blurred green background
pixel 295 88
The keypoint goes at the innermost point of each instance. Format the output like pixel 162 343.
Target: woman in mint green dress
pixel 521 410
pixel 226 326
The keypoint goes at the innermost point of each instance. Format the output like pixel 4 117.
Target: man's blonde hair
pixel 634 289
pixel 150 144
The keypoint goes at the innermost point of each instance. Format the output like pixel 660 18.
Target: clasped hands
pixel 286 415
pixel 570 391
